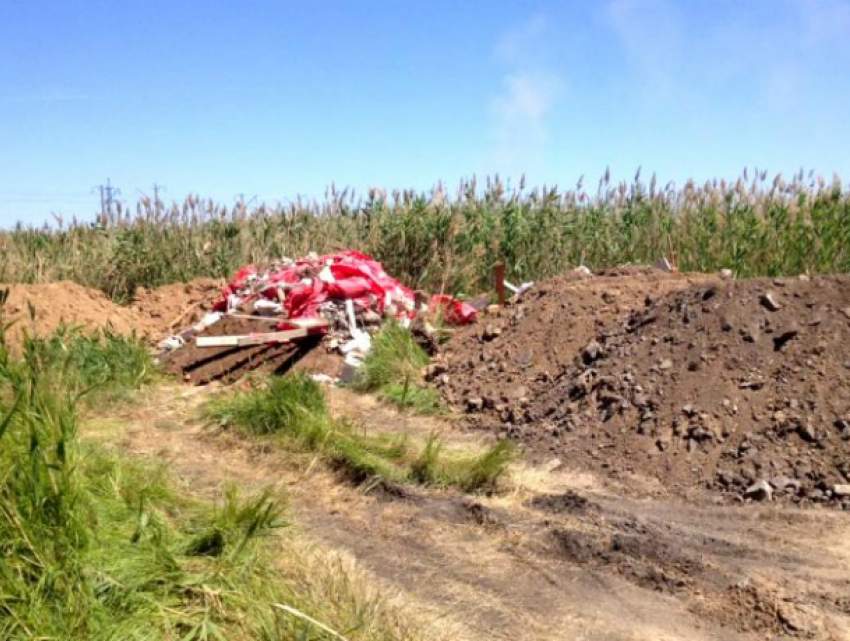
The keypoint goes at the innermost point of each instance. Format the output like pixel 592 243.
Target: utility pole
pixel 156 202
pixel 107 197
pixel 240 199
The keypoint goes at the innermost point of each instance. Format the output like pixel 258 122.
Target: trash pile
pixel 270 316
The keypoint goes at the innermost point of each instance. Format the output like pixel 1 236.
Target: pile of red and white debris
pixel 270 316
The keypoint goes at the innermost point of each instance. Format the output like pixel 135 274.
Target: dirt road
pixel 560 556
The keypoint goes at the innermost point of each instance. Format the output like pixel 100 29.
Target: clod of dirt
pixel 474 404
pixel 782 337
pixel 841 490
pixel 591 352
pixel 759 491
pixel 568 502
pixel 483 515
pixel 491 332
pixel 769 302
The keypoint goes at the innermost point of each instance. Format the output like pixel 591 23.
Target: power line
pixel 157 204
pixel 240 199
pixel 107 197
pixel 155 201
pixel 42 193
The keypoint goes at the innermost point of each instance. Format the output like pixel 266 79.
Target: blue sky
pixel 276 99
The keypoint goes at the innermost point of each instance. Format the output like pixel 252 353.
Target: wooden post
pixel 499 277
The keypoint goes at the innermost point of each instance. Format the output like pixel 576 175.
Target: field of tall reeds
pixel 755 225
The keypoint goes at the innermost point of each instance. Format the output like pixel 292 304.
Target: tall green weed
pixel 441 241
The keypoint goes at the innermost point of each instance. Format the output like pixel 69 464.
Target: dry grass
pixel 334 577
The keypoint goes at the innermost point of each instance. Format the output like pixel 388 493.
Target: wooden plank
pixel 218 341
pixel 311 323
pixel 244 340
pixel 267 319
pixel 499 277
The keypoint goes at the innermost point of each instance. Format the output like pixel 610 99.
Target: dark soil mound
pixel 742 386
pixel 564 503
pixel 492 367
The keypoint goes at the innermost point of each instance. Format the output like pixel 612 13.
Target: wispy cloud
pixel 652 35
pixel 520 114
pixel 520 111
pixel 771 50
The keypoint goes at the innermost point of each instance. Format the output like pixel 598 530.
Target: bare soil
pixel 171 308
pixel 559 556
pixel 493 364
pixel 719 386
pixel 152 315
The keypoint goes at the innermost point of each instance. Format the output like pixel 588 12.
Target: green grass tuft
pixel 292 404
pixel 485 470
pixel 420 400
pixel 395 359
pixel 393 369
pixel 102 364
pixel 425 469
pixel 293 407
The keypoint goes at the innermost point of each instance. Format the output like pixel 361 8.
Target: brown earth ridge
pixel 152 314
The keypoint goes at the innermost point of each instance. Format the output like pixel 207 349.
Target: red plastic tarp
pixel 454 312
pixel 348 275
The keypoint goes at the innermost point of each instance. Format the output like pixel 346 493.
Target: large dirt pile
pixel 488 367
pixel 741 386
pixel 63 303
pixel 152 315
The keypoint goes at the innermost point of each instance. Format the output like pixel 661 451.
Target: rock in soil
pixel 759 491
pixel 841 490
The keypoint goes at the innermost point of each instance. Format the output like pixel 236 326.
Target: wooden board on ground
pixel 245 340
pixel 304 328
pixel 228 363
